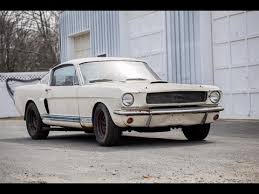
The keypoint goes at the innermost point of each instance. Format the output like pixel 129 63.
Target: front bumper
pixel 169 116
pixel 169 111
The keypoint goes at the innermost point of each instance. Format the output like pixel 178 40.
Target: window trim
pixel 59 67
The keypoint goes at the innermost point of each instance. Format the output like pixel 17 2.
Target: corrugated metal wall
pixel 183 56
pixel 103 27
pixel 181 31
pixel 146 39
pixel 235 40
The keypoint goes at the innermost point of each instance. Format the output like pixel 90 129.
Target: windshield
pixel 117 71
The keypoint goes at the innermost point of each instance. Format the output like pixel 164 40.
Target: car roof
pixel 91 59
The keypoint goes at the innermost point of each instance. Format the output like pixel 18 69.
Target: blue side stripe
pixel 64 118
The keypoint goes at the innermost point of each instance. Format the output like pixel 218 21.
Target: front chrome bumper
pixel 168 111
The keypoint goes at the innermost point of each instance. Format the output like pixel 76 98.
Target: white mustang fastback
pixel 108 95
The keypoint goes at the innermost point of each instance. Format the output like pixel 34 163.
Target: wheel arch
pixel 95 106
pixel 116 119
pixel 26 106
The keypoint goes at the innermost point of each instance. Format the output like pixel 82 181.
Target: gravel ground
pixel 230 154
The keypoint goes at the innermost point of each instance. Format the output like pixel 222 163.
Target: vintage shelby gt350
pixel 110 95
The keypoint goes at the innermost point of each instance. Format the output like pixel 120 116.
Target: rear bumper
pixel 168 117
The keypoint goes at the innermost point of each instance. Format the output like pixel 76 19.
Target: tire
pixel 196 132
pixel 34 123
pixel 106 132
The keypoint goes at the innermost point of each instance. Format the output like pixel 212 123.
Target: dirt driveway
pixel 229 154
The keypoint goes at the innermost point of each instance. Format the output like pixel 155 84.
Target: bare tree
pixel 28 40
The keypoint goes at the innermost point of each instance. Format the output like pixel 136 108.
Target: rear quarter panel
pixel 34 93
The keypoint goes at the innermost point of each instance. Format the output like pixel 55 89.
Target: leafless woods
pixel 29 40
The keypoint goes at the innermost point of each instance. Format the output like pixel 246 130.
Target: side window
pixel 64 76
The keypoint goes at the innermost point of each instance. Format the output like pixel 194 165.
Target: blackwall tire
pixel 34 123
pixel 196 132
pixel 106 132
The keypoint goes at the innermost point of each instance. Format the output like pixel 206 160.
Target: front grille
pixel 176 97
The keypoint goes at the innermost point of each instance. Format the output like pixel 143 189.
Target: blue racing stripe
pixel 67 118
pixel 62 118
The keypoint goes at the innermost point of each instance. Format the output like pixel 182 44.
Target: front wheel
pixel 196 132
pixel 34 124
pixel 106 132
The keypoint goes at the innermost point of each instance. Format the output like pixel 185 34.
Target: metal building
pixel 203 47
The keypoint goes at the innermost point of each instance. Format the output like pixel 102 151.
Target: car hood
pixel 149 87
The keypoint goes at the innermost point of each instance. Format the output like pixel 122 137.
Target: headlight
pixel 127 99
pixel 214 97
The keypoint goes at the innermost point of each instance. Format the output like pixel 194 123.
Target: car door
pixel 61 96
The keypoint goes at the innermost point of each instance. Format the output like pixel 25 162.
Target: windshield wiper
pixel 135 79
pixel 100 80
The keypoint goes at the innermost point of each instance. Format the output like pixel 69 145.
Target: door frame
pixel 62 120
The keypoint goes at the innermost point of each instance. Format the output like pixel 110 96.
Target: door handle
pixel 47 89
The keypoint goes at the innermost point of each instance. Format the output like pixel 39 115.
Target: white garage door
pixel 82 46
pixel 236 61
pixel 146 38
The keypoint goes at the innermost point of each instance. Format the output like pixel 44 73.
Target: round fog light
pixel 215 117
pixel 130 120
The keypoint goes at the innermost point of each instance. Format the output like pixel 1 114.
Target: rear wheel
pixel 35 127
pixel 106 132
pixel 196 132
